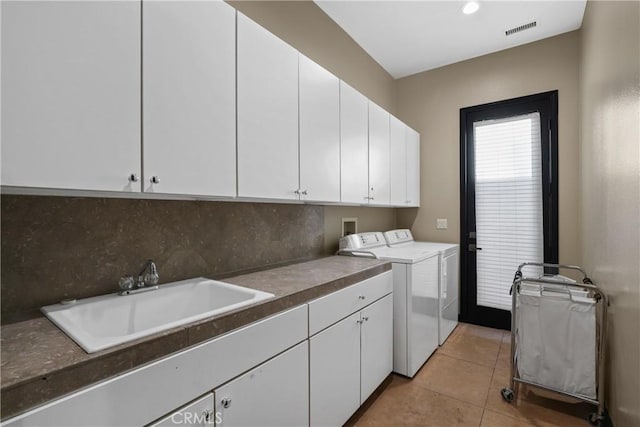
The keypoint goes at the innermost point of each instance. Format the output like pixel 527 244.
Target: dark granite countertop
pixel 39 362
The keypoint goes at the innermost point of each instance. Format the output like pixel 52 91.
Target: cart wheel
pixel 507 394
pixel 595 419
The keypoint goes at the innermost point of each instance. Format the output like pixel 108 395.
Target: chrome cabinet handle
pixel 206 415
pixel 297 191
pixel 155 179
pixel 226 402
pixel 361 321
pixel 361 297
pixel 304 192
pixel 134 177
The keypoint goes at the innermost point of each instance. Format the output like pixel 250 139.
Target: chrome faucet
pixel 150 278
pixel 147 280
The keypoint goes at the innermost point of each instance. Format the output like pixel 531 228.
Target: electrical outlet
pixel 441 224
pixel 349 226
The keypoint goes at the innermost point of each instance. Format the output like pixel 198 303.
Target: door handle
pixel 474 248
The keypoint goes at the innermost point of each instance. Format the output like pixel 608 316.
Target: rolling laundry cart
pixel 558 331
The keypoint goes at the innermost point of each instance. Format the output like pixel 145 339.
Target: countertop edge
pixel 31 392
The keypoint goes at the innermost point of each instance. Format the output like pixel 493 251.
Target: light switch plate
pixel 441 224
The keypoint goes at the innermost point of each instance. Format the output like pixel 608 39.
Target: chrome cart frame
pixel 510 393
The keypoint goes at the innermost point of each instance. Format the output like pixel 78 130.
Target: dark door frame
pixel 547 105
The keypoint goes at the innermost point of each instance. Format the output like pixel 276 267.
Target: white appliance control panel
pixel 362 241
pixel 398 236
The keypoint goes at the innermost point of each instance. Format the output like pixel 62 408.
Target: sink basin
pixel 106 321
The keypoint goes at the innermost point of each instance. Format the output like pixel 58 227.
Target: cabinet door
pixel 267 114
pixel 377 345
pixel 319 133
pixel 398 163
pixel 198 413
pixel 71 94
pixel 354 157
pixel 378 155
pixel 413 167
pixel 275 393
pixel 334 372
pixel 189 114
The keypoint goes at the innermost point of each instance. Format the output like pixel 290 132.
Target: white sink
pixel 105 321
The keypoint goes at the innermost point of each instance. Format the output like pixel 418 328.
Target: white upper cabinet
pixel 319 133
pixel 354 128
pixel 189 138
pixel 404 165
pixel 378 155
pixel 267 114
pixel 398 162
pixel 413 168
pixel 71 95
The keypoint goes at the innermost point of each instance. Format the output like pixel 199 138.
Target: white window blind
pixel 508 180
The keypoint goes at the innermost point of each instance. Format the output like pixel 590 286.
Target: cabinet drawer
pixel 327 310
pixel 198 413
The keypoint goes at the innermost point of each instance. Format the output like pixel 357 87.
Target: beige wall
pixel 369 219
pixel 610 186
pixel 431 101
pixel 307 28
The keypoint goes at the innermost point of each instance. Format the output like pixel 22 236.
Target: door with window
pixel 509 200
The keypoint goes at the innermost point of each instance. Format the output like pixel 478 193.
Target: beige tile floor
pixel 460 386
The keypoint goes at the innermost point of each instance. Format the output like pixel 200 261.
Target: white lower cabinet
pixel 275 393
pixel 198 413
pixel 312 364
pixel 152 391
pixel 348 361
pixel 334 372
pixel 376 345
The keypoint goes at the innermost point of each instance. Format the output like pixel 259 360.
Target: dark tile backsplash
pixel 62 247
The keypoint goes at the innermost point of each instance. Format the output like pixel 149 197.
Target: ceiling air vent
pixel 520 28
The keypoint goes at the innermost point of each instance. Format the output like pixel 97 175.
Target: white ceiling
pixel 407 37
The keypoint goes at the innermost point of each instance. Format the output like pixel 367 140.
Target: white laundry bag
pixel 556 339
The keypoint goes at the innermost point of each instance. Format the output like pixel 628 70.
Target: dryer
pixel 415 297
pixel 448 276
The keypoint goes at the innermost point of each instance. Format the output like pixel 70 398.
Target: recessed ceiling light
pixel 470 7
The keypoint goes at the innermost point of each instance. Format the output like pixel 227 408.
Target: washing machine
pixel 415 296
pixel 448 276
